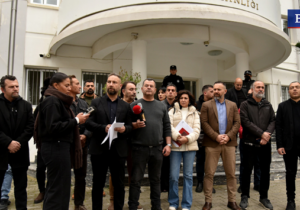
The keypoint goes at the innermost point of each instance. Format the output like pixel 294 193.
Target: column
pixel 139 62
pixel 242 64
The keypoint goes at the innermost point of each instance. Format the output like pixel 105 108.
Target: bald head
pixel 238 84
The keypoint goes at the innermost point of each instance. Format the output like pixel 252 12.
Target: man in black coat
pixel 237 94
pixel 174 79
pixel 108 108
pixel 16 129
pixel 288 138
pixel 258 122
pixel 248 81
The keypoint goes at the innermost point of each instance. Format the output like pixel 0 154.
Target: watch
pixel 170 145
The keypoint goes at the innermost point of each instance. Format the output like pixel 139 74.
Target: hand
pixel 107 127
pixel 14 146
pixel 82 118
pixel 166 151
pixel 263 142
pixel 225 139
pixel 121 130
pixel 281 151
pixel 138 124
pixel 219 138
pixel 82 140
pixel 266 136
pixel 182 140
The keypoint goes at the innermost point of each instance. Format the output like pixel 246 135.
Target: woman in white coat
pixel 184 109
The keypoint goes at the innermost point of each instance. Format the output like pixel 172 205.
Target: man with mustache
pixel 103 156
pixel 288 139
pixel 258 122
pixel 220 122
pixel 89 91
pixel 16 129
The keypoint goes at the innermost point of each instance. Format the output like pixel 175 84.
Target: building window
pixel 285 93
pixel 98 78
pixel 46 2
pixel 284 25
pixel 34 83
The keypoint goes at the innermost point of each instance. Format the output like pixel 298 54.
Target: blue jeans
pixel 6 186
pixel 187 194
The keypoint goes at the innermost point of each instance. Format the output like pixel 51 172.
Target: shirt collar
pixel 218 102
pixel 108 99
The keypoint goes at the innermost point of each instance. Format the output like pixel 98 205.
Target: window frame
pixel 282 27
pixel 95 80
pixel 57 5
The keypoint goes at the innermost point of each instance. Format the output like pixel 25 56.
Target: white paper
pixel 182 124
pixel 112 134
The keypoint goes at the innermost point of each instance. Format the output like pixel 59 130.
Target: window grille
pixel 98 78
pixel 285 93
pixel 46 2
pixel 284 25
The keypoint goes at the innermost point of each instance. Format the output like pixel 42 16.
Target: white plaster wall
pixel 285 5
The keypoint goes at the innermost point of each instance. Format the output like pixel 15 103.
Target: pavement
pixel 277 195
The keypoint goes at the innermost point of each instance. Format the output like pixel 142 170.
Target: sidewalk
pixel 276 194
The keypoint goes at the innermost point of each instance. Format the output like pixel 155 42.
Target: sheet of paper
pixel 112 134
pixel 184 125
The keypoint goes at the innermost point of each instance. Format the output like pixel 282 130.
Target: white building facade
pixel 208 40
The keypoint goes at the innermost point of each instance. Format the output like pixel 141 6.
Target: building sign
pixel 294 18
pixel 247 3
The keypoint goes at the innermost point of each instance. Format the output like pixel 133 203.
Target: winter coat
pixel 192 119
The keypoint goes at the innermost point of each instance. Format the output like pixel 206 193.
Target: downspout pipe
pixel 12 37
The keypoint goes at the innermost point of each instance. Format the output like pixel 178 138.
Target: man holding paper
pixel 220 122
pixel 111 111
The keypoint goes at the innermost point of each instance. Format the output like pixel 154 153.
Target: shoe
pixel 239 189
pixel 73 197
pixel 111 205
pixel 185 209
pixel 266 203
pixel 39 198
pixel 207 206
pixel 4 204
pixel 81 207
pixel 214 191
pixel 233 205
pixel 244 202
pixel 256 188
pixel 104 194
pixel 199 187
pixel 140 207
pixel 291 205
pixel 172 208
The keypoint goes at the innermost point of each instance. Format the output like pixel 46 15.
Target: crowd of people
pixel 66 130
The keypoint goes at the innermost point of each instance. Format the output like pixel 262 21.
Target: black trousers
pixel 291 167
pixel 165 174
pixel 250 155
pixel 80 174
pixel 141 156
pixel 116 165
pixel 20 183
pixel 40 172
pixel 56 156
pixel 200 163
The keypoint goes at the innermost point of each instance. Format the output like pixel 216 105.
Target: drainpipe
pixel 12 37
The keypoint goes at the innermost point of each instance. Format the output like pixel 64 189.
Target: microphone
pixel 138 110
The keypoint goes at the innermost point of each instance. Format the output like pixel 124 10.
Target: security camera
pixel 45 55
pixel 42 55
pixel 206 43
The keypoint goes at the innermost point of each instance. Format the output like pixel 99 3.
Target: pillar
pixel 139 62
pixel 242 64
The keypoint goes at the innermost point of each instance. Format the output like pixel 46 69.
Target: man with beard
pixel 288 139
pixel 171 93
pixel 16 129
pixel 89 91
pixel 258 122
pixel 247 82
pixel 103 156
pixel 77 107
pixel 147 145
pixel 220 122
pixel 207 94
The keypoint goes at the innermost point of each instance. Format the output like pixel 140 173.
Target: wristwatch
pixel 170 145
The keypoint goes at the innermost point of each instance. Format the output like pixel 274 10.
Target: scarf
pixel 76 149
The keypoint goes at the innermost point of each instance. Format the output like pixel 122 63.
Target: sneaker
pixel 214 191
pixel 199 187
pixel 4 204
pixel 291 205
pixel 256 188
pixel 239 189
pixel 185 209
pixel 244 202
pixel 266 203
pixel 172 208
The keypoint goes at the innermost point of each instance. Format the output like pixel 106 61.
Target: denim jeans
pixel 187 194
pixel 6 186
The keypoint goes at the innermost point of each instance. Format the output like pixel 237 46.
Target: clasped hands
pixel 182 139
pixel 222 139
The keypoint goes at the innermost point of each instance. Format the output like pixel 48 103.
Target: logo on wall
pixel 294 18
